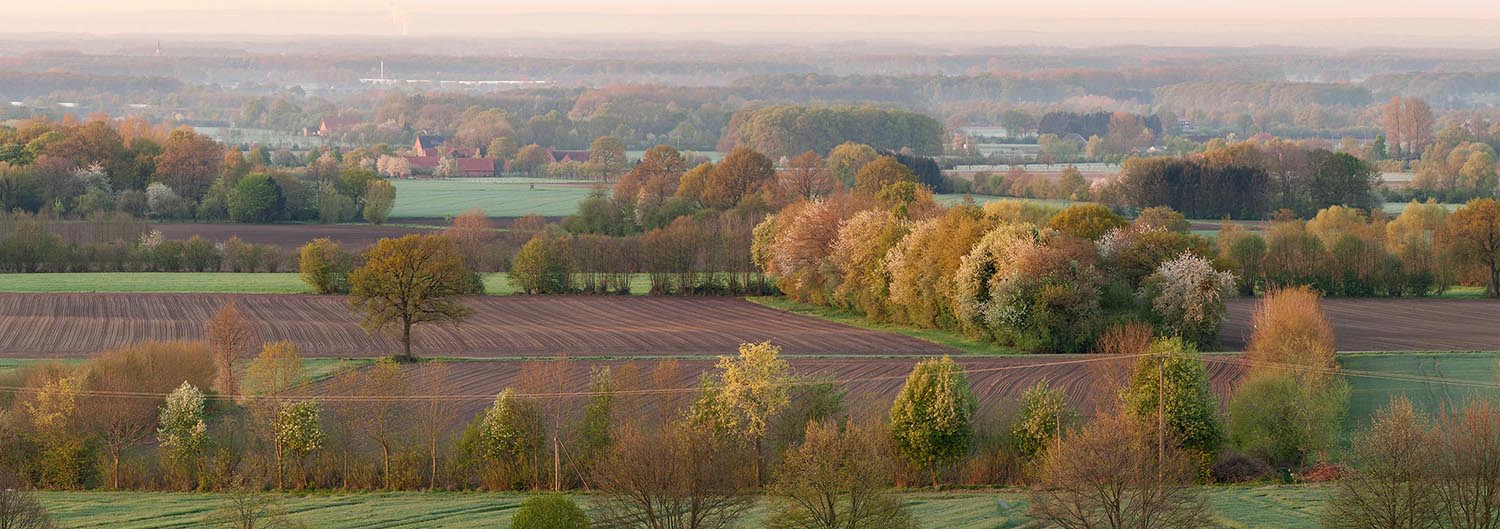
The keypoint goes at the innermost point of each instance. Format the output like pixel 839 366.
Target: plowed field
pixel 1376 324
pixel 72 325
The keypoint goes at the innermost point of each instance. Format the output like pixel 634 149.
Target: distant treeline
pixel 790 130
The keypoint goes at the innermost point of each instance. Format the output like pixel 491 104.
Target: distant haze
pixel 1343 23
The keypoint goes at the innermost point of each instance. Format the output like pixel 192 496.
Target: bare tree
pixel 231 335
pixel 806 177
pixel 673 477
pixel 377 410
pixel 1392 486
pixel 1468 466
pixel 1108 475
pixel 247 507
pixel 435 416
pixel 19 508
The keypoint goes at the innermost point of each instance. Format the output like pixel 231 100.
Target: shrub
pixel 932 418
pixel 549 511
pixel 1279 418
pixel 1234 467
pixel 1289 327
pixel 1191 410
pixel 1044 414
pixel 325 266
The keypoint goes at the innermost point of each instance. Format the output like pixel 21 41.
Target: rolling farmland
pixel 498 197
pixel 75 325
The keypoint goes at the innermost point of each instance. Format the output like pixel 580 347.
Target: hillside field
pixel 1238 507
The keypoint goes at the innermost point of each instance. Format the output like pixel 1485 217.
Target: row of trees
pixel 1014 273
pixel 78 169
pixel 33 245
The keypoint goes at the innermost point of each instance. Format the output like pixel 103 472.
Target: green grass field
pixel 1368 394
pixel 1237 507
pixel 209 282
pixel 199 282
pixel 498 197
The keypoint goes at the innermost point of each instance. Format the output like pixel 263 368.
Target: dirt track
pixel 73 325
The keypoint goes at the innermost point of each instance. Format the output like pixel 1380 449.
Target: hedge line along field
pixel 1241 507
pixel 497 284
pixel 76 325
pixel 288 236
pixel 498 197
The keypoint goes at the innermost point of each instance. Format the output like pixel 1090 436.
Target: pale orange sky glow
pixel 1473 23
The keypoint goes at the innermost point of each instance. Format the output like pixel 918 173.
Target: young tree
pixel 256 199
pixel 751 390
pixel 182 432
pixel 1392 486
pixel 297 432
pixel 380 196
pixel 510 433
pixel 673 477
pixel 1044 414
pixel 1108 476
pixel 1281 418
pixel 324 265
pixel 230 335
pixel 932 418
pixel 376 410
pixel 247 507
pixel 1472 235
pixel 435 416
pixel 1171 386
pixel 837 478
pixel 1468 465
pixel 411 280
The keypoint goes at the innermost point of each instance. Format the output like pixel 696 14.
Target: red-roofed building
pixel 473 167
pixel 560 156
pixel 330 126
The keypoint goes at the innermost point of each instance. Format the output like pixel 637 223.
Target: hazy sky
pixel 470 17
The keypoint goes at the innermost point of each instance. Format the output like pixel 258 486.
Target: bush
pixel 549 511
pixel 325 266
pixel 1235 467
pixel 1186 297
pixel 1282 419
pixel 1086 221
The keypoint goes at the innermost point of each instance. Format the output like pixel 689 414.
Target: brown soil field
pixel 870 383
pixel 1366 324
pixel 289 236
pixel 74 325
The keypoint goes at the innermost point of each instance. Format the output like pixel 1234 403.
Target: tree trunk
pixel 432 472
pixel 279 467
pixel 1494 290
pixel 385 457
pixel 114 478
pixel 406 340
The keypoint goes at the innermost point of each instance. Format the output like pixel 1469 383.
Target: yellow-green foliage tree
pixel 1086 221
pixel 922 265
pixel 324 265
pixel 750 391
pixel 932 420
pixel 1412 238
pixel 882 172
pixel 407 281
pixel 1174 375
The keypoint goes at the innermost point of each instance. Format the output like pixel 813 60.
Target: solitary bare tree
pixel 231 335
pixel 1108 476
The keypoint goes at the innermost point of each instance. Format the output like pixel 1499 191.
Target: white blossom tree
pixel 1187 296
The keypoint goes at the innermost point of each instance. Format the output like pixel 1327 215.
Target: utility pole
pixel 1161 414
